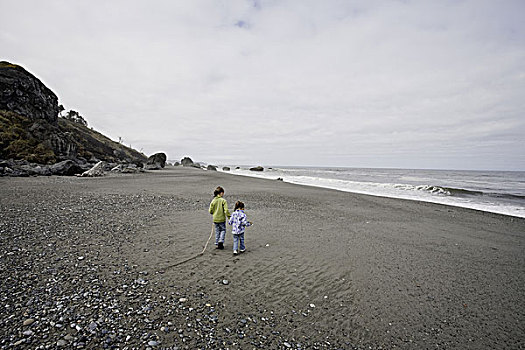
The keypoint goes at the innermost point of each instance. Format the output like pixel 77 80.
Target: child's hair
pixel 218 191
pixel 239 205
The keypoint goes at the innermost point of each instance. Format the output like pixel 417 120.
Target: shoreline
pixel 324 268
pixel 507 209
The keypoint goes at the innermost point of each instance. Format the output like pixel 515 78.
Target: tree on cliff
pixel 74 116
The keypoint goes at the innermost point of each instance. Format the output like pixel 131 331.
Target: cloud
pixel 287 82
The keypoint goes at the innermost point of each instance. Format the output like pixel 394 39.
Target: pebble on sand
pixel 29 322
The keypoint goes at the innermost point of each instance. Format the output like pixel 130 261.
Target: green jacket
pixel 219 209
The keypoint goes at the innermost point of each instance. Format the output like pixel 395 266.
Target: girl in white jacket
pixel 239 223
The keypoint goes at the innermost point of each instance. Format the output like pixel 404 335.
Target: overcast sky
pixel 407 84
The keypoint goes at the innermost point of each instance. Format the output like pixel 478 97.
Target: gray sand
pixel 89 263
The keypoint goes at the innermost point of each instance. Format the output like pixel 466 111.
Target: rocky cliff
pixel 31 130
pixel 24 94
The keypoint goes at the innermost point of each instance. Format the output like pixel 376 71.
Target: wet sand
pixel 323 268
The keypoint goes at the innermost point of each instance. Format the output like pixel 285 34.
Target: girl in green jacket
pixel 219 210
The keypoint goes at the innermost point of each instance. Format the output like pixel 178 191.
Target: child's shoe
pixel 243 250
pixel 220 245
pixel 235 252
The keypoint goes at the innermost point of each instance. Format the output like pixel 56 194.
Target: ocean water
pixel 500 192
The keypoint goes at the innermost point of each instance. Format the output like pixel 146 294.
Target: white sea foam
pixel 420 192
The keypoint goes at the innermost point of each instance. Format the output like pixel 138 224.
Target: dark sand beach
pixel 90 263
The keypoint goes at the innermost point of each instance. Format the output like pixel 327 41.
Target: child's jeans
pixel 220 232
pixel 238 242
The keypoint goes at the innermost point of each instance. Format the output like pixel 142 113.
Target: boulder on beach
pixel 186 161
pixel 23 168
pixel 211 167
pixel 226 168
pixel 36 169
pixel 257 168
pixel 156 161
pixel 66 168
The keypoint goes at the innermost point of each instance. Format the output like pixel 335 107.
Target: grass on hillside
pixel 19 141
pixel 92 143
pixel 16 141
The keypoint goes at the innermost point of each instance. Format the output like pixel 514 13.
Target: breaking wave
pixel 425 188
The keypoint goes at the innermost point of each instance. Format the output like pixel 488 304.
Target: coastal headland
pixel 94 263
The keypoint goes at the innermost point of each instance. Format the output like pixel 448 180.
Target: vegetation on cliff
pixel 92 144
pixel 17 142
